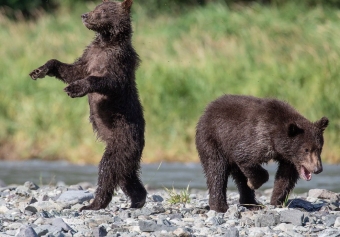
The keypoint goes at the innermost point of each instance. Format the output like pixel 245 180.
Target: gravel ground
pixel 28 210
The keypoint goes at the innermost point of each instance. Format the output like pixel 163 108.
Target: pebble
pixel 29 210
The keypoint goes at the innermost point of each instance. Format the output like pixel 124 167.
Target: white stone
pixel 337 222
pixel 3 209
pixel 284 227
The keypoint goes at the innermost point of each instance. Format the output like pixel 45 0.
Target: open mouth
pixel 305 174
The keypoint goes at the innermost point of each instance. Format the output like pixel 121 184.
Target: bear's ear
pixel 106 0
pixel 294 129
pixel 322 123
pixel 127 5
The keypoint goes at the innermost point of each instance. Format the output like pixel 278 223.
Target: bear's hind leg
pixel 107 182
pixel 247 195
pixel 133 188
pixel 285 180
pixel 256 174
pixel 217 180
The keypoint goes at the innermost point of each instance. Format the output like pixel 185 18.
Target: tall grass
pixel 291 52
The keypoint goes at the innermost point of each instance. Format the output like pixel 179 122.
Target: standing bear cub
pixel 106 73
pixel 236 134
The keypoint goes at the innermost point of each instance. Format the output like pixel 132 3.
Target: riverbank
pixel 29 210
pixel 155 176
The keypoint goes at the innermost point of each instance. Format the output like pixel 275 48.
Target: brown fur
pixel 237 134
pixel 106 73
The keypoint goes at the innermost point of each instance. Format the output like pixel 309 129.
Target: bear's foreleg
pixel 285 180
pixel 67 73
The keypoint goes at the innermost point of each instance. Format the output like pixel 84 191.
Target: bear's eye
pixel 306 150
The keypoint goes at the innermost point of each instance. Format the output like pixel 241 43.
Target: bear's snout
pixel 84 16
pixel 318 169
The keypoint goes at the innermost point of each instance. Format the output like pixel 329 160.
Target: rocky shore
pixel 29 210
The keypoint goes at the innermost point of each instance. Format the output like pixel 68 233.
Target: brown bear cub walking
pixel 236 134
pixel 106 73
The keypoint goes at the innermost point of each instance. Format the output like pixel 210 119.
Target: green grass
pixel 291 52
pixel 182 197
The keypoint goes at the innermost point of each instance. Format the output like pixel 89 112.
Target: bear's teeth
pixel 305 174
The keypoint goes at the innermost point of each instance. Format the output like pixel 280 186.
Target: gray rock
pixel 157 198
pixel 294 234
pixel 120 230
pixel 330 233
pixel 182 232
pixel 147 226
pixel 199 211
pixel 330 220
pixel 233 212
pixel 23 191
pixel 141 212
pixel 44 229
pixel 30 210
pixel 215 221
pixel 157 209
pixel 31 186
pixel 75 196
pixel 117 219
pixel 152 226
pixel 264 220
pixel 100 231
pixel 292 216
pixel 59 222
pixel 323 194
pixel 163 222
pixel 45 214
pixel 176 216
pixel 26 231
pixel 232 232
pixel 124 214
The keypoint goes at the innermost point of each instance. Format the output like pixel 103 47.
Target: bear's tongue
pixel 305 174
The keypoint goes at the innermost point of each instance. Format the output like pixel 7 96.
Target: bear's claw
pixel 38 73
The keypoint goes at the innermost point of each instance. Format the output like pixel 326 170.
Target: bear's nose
pixel 84 16
pixel 318 170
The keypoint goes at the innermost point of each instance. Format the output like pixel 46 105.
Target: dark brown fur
pixel 237 134
pixel 106 73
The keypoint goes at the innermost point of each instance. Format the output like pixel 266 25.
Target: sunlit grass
pixel 291 52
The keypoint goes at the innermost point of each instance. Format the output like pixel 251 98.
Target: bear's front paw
pixel 39 73
pixel 77 89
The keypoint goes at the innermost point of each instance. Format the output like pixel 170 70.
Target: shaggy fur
pixel 106 73
pixel 237 134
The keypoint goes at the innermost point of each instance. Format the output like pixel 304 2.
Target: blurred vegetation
pixel 17 9
pixel 290 51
